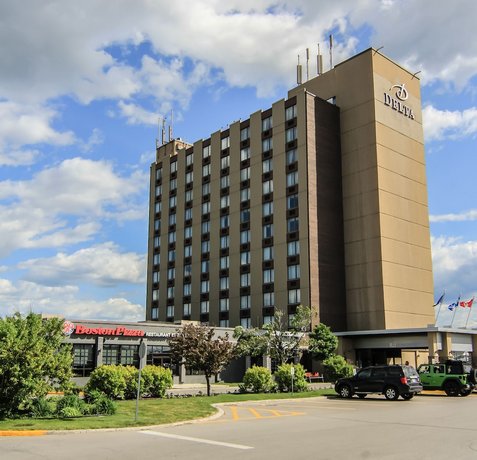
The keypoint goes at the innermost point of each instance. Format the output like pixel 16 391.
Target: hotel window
pixel 224 305
pixel 268 276
pixel 293 224
pixel 225 143
pixel 171 255
pixel 187 232
pixel 158 173
pixel 155 313
pixel 267 123
pixel 245 302
pixel 188 214
pixel 245 154
pixel 189 195
pixel 225 162
pixel 267 144
pixel 189 177
pixel 173 167
pixel 294 296
pixel 187 289
pixel 157 225
pixel 245 323
pixel 204 287
pixel 291 157
pixel 293 248
pixel 204 266
pixel 224 323
pixel 158 190
pixel 245 216
pixel 205 227
pixel 245 173
pixel 267 208
pixel 290 134
pixel 170 292
pixel 267 231
pixel 267 165
pixel 290 112
pixel 155 277
pixel 294 272
pixel 245 280
pixel 186 309
pixel 206 170
pixel 172 219
pixel 155 295
pixel 224 262
pixel 171 274
pixel 244 194
pixel 267 187
pixel 204 306
pixel 173 184
pixel 157 207
pixel 205 247
pixel 292 201
pixel 225 181
pixel 267 319
pixel 156 260
pixel 292 178
pixel 244 133
pixel 245 258
pixel 170 311
pixel 245 236
pixel 172 237
pixel 206 189
pixel 206 152
pixel 224 201
pixel 189 159
pixel 224 242
pixel 172 201
pixel 206 207
pixel 267 253
pixel 224 283
pixel 224 222
pixel 157 242
pixel 268 299
pixel 187 270
pixel 188 250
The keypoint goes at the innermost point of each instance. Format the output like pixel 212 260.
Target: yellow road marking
pixel 255 413
pixel 23 433
pixel 234 412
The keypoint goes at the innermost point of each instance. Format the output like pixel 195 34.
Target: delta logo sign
pixel 396 100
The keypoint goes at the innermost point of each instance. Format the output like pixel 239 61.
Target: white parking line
pixel 200 440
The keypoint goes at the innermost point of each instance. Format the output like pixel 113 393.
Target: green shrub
pixel 130 376
pixel 69 412
pixel 283 378
pixel 258 379
pixel 43 407
pixel 336 367
pixel 70 406
pixel 108 380
pixel 100 404
pixel 155 380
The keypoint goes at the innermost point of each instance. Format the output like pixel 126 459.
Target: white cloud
pixel 137 115
pixel 452 217
pixel 446 124
pixel 101 265
pixel 95 139
pixel 25 296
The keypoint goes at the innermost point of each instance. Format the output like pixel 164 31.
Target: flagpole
pixel 441 299
pixel 455 310
pixel 468 314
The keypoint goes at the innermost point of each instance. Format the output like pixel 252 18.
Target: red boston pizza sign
pixel 118 331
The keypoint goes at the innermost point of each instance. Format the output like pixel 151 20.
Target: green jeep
pixel 454 377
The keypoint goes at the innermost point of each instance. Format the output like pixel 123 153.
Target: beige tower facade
pixel 320 200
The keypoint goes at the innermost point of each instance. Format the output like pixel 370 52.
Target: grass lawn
pixel 151 412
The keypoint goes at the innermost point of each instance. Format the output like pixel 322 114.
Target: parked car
pixel 454 377
pixel 391 381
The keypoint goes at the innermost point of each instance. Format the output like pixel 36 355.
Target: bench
pixel 310 376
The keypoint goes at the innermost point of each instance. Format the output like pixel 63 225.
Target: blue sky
pixel 82 85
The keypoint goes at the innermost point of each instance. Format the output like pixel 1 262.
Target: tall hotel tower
pixel 320 200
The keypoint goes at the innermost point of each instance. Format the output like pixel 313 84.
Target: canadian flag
pixel 467 303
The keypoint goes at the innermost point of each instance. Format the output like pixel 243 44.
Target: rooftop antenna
pixel 170 126
pixel 299 79
pixel 319 62
pixel 163 133
pixel 331 51
pixel 307 64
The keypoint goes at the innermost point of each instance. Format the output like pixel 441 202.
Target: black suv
pixel 392 381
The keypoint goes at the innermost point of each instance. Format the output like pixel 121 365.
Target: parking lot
pixel 430 426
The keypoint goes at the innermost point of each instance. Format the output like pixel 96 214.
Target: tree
pixel 322 342
pixel 196 347
pixel 33 361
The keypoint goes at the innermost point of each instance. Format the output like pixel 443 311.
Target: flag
pixel 441 299
pixel 467 303
pixel 454 305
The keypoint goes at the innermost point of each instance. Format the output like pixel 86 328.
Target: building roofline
pixel 418 330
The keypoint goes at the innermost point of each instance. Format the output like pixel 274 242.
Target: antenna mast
pixel 319 62
pixel 299 79
pixel 331 52
pixel 307 64
pixel 170 126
